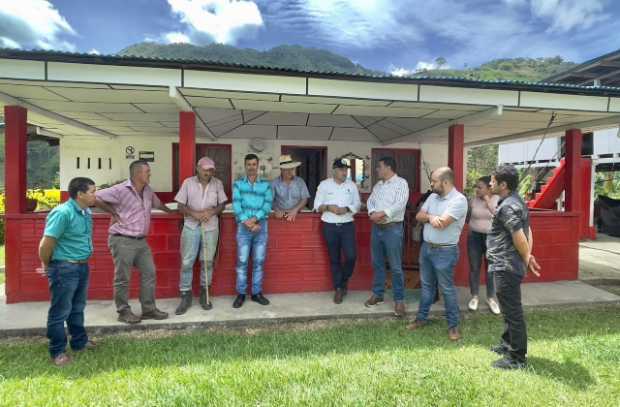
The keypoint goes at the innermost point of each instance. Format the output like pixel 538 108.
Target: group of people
pixel 499 227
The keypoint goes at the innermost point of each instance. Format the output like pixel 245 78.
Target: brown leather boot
pixel 373 300
pixel 338 296
pixel 399 309
pixel 454 334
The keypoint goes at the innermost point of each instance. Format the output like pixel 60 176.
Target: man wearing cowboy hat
pixel 290 191
pixel 201 199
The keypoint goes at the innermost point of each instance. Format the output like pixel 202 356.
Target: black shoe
pixel 128 317
pixel 259 298
pixel 239 301
pixel 203 300
pixel 155 314
pixel 508 363
pixel 186 302
pixel 500 349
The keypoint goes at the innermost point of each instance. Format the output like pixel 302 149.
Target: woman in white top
pixel 482 209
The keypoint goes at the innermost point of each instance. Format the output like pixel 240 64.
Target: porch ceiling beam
pixel 185 106
pixel 419 134
pixel 611 120
pixel 8 99
pixel 598 77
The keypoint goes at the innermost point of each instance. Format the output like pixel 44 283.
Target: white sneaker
pixel 494 306
pixel 473 303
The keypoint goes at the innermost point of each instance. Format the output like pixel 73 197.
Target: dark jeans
pixel 437 269
pixel 68 284
pixel 476 250
pixel 387 244
pixel 509 296
pixel 340 240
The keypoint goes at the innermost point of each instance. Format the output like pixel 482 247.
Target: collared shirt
pixel 481 216
pixel 72 228
pixel 198 197
pixel 511 216
pixel 391 197
pixel 344 195
pixel 134 211
pixel 287 195
pixel 454 204
pixel 251 199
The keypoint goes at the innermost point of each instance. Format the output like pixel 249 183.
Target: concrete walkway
pixel 30 318
pixel 600 259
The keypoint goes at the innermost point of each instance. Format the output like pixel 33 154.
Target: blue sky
pixel 395 36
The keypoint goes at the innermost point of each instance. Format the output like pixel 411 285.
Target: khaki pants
pixel 128 253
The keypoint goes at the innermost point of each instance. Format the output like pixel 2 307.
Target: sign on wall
pixel 130 153
pixel 148 156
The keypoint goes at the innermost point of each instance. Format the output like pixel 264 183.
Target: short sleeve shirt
pixel 72 228
pixel 198 198
pixel 287 196
pixel 454 204
pixel 511 216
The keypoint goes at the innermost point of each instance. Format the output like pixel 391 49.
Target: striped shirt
pixel 251 199
pixel 134 211
pixel 391 197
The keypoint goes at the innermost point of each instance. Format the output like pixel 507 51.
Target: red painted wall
pixel 297 258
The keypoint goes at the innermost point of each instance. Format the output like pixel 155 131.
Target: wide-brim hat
pixel 287 162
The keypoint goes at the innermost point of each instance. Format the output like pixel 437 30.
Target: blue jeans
pixel 340 239
pixel 68 283
pixel 437 267
pixel 192 246
pixel 257 244
pixel 388 244
pixel 476 250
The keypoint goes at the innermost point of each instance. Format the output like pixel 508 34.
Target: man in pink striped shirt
pixel 130 205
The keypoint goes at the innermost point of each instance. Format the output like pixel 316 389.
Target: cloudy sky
pixel 395 36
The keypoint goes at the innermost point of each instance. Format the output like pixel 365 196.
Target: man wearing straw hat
pixel 290 193
pixel 201 199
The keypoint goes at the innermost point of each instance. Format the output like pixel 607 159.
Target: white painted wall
pixel 433 156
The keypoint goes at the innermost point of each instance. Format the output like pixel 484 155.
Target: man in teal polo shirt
pixel 64 252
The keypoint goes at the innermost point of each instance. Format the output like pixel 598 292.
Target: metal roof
pixel 599 72
pixel 549 85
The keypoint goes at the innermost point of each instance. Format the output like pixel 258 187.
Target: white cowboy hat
pixel 286 161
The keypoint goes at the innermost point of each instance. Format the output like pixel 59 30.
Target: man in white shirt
pixel 386 209
pixel 338 199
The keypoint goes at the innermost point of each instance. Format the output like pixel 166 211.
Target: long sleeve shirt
pixel 391 197
pixel 251 199
pixel 344 195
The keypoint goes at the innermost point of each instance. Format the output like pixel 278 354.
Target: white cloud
pixel 400 71
pixel 176 38
pixel 420 66
pixel 94 51
pixel 565 15
pixel 222 21
pixel 33 24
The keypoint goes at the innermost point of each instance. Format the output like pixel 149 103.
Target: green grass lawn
pixel 574 361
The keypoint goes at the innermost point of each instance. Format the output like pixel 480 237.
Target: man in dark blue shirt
pixel 509 253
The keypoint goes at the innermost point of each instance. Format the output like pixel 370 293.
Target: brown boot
pixel 417 324
pixel 373 300
pixel 338 296
pixel 454 334
pixel 399 309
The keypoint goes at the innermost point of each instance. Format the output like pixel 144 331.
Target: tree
pixel 440 61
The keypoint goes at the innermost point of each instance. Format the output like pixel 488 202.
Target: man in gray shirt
pixel 443 215
pixel 290 193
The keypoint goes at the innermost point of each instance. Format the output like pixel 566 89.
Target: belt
pixel 439 245
pixel 74 261
pixel 338 224
pixel 388 225
pixel 129 237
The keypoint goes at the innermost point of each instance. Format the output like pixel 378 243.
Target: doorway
pixel 313 167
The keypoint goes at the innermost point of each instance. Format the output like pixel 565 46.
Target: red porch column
pixel 187 145
pixel 456 146
pixel 16 138
pixel 573 170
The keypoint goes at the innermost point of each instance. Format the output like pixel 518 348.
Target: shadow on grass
pixel 568 372
pixel 30 360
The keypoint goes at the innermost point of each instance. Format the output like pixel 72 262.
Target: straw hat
pixel 286 162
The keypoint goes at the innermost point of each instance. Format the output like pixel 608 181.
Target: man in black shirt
pixel 509 253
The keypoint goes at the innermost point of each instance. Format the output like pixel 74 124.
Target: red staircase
pixel 551 191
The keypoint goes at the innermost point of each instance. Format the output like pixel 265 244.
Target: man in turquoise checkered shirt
pixel 65 248
pixel 252 198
